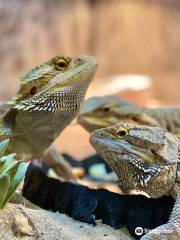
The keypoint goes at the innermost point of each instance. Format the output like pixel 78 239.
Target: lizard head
pixel 144 158
pixel 49 98
pixel 43 87
pixel 100 112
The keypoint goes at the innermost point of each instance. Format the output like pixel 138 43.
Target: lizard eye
pixel 33 91
pixel 106 108
pixel 61 64
pixel 135 119
pixel 121 133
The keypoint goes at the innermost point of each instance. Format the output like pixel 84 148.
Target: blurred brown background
pixel 126 37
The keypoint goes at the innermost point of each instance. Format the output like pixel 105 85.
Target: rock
pixel 22 226
pixel 43 225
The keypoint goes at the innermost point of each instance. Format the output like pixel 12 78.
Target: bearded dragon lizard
pixel 145 159
pixel 99 112
pixel 49 98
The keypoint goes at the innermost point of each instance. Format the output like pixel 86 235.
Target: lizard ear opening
pixel 10 118
pixel 33 91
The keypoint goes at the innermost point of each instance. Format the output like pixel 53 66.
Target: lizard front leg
pixel 171 230
pixel 59 164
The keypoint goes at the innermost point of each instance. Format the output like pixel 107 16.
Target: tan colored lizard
pixel 99 112
pixel 145 159
pixel 49 98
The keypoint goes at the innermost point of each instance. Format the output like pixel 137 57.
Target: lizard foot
pixel 59 164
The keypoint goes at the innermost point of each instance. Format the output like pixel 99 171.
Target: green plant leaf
pixel 7 162
pixel 16 180
pixel 11 174
pixel 3 146
pixel 12 170
pixel 4 187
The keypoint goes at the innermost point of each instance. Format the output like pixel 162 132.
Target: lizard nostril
pixel 79 60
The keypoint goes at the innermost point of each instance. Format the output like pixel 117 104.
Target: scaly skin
pixel 99 112
pixel 145 159
pixel 49 98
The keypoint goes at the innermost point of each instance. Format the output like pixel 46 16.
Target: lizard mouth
pixel 99 143
pixel 119 147
pixel 91 124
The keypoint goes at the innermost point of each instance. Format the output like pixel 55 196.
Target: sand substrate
pixel 19 222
